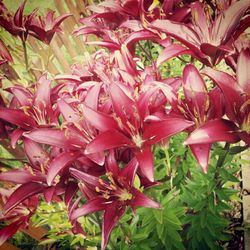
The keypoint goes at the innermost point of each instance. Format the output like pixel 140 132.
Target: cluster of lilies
pixel 87 137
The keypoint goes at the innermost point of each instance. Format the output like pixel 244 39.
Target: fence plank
pixel 8 246
pixel 35 232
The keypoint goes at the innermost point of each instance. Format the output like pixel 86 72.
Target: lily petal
pixel 201 153
pixel 21 177
pixel 243 66
pixel 214 131
pixel 36 155
pixel 11 229
pixel 67 111
pixel 112 215
pixel 70 191
pixel 146 162
pixel 99 120
pixel 58 163
pixel 171 51
pixel 86 178
pixel 94 205
pixel 17 117
pixel 55 137
pixel 195 90
pixel 128 172
pixel 156 131
pixel 141 200
pixel 107 140
pixel 21 193
pixel 230 91
pixel 15 136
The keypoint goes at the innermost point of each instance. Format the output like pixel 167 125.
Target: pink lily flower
pixel 113 196
pixel 236 91
pixel 205 109
pixel 128 128
pixel 209 39
pixel 29 110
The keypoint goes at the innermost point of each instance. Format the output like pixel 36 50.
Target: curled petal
pixel 60 162
pixel 11 229
pixel 214 131
pixel 156 131
pixel 94 205
pixel 112 215
pixel 243 66
pixel 107 140
pixel 21 193
pixel 17 117
pixel 201 153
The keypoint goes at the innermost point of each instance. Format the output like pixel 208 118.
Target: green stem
pixel 168 166
pixel 25 55
pixel 223 156
pixel 149 57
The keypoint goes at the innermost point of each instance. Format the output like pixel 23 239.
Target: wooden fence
pixel 64 47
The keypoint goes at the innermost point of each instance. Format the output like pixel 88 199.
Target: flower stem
pixel 223 156
pixel 25 55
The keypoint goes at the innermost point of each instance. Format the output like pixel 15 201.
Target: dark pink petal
pixel 230 91
pixel 23 96
pixel 128 172
pixel 69 114
pixel 55 137
pixel 92 96
pixel 11 229
pixel 66 77
pixel 4 52
pixel 195 90
pixel 217 104
pixel 93 205
pixel 15 136
pixel 227 22
pixel 141 200
pixel 107 140
pixel 42 96
pixel 106 44
pixel 111 164
pixel 59 20
pixel 214 131
pixel 49 193
pixel 156 131
pixel 84 177
pixel 112 215
pixel 243 66
pixel 138 36
pixel 201 153
pixel 18 17
pixel 70 191
pixel 21 193
pixel 146 162
pixel 60 162
pixel 181 32
pixel 99 120
pixel 200 20
pixel 123 106
pixel 98 158
pixel 17 117
pixel 21 176
pixel 36 155
pixel 171 51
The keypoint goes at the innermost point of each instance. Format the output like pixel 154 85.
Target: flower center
pixel 246 124
pixel 125 195
pixel 137 140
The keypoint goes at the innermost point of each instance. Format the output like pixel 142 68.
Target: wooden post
pixel 246 198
